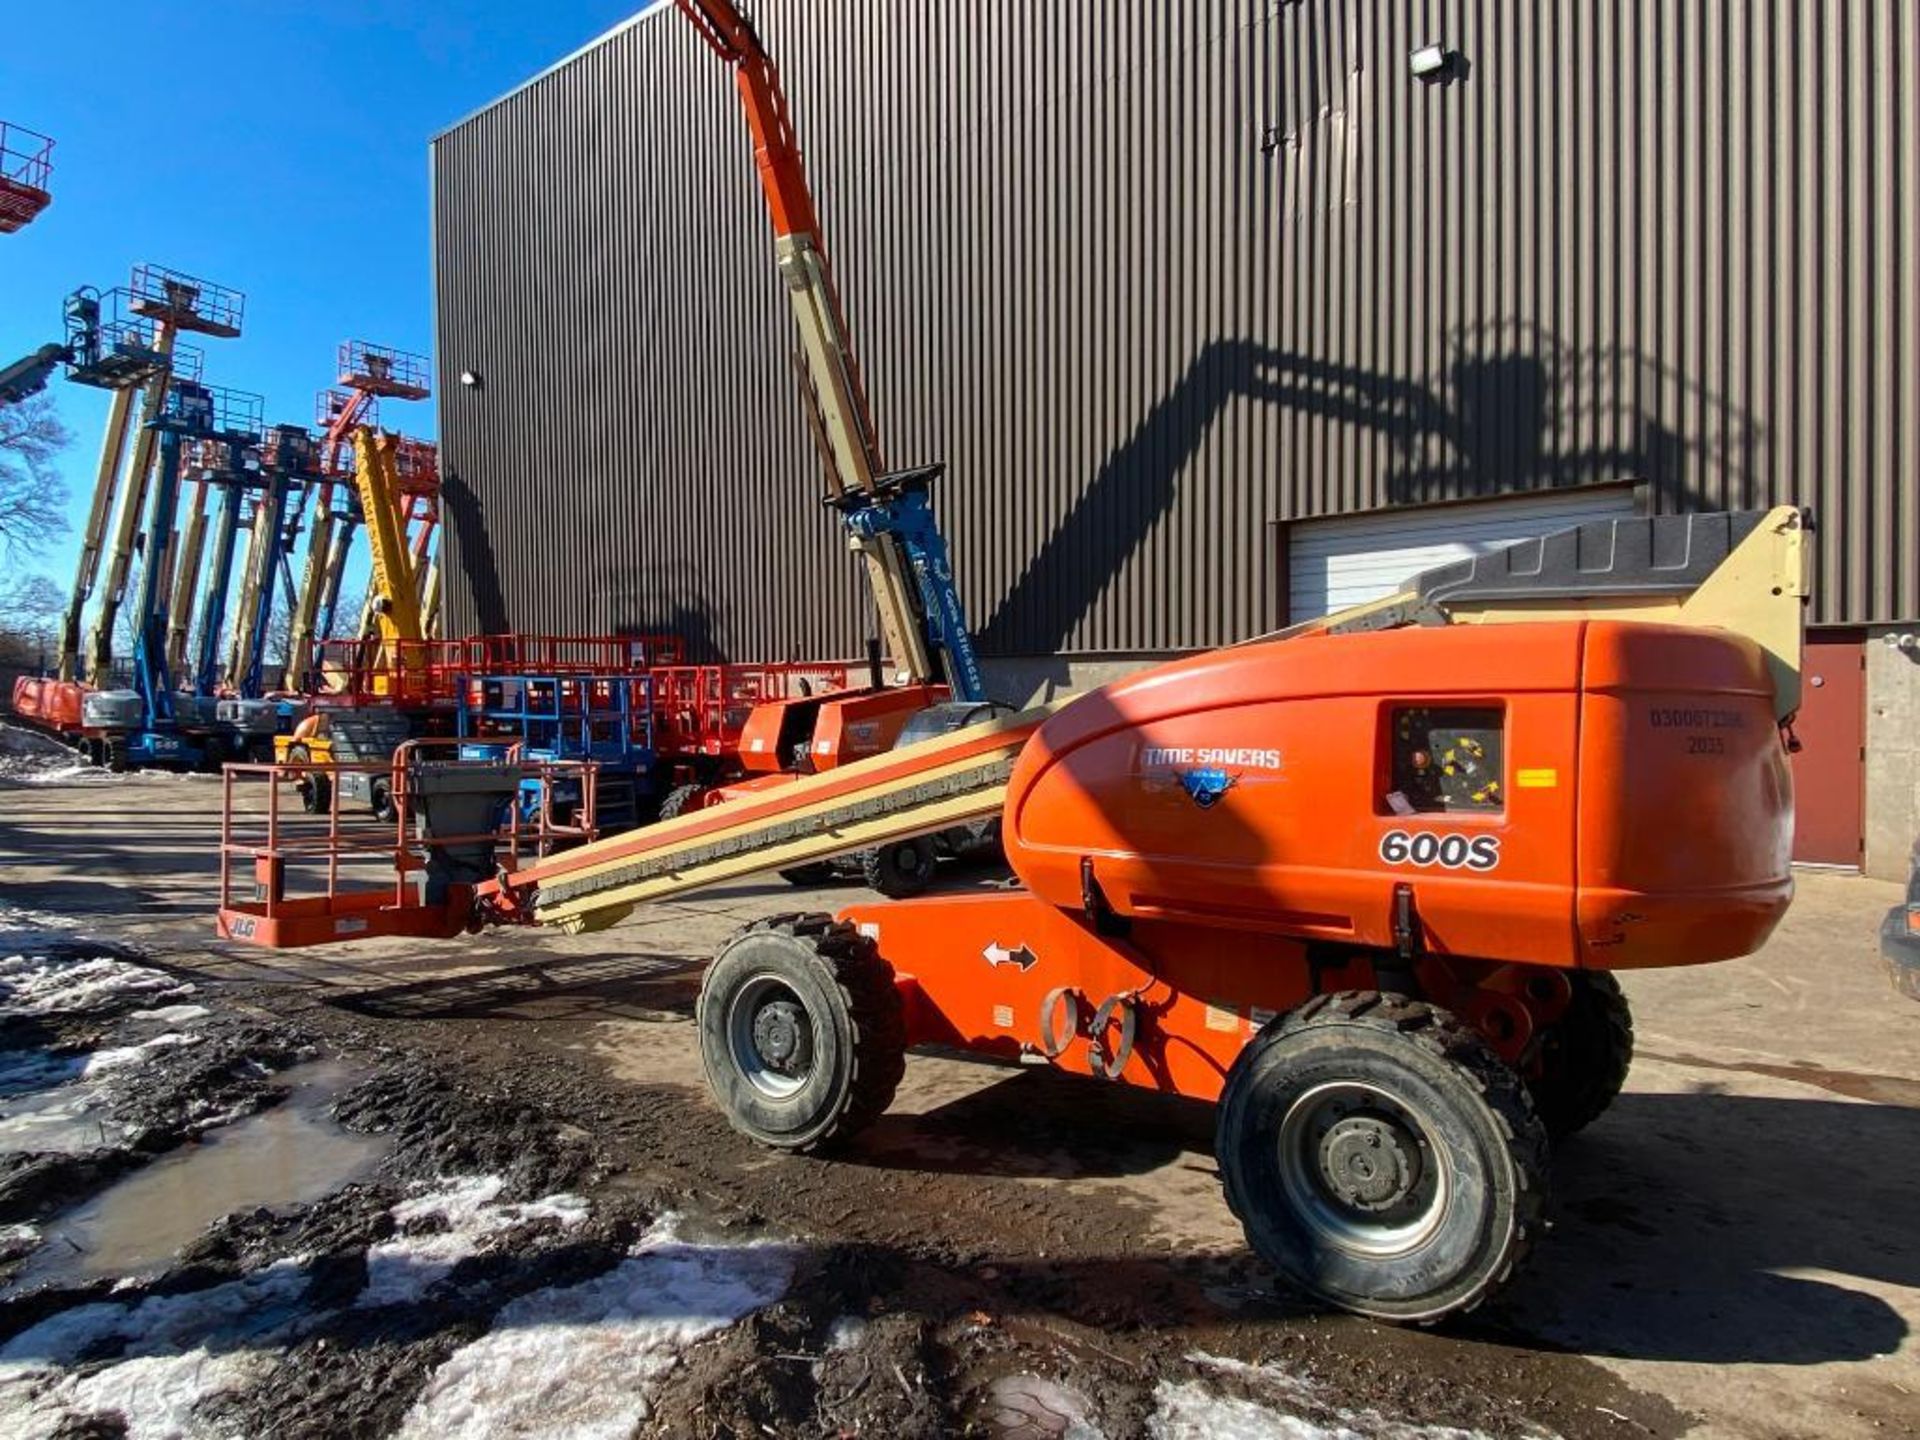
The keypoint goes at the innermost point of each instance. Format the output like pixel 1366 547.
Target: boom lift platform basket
pixel 186 303
pixel 26 166
pixel 453 825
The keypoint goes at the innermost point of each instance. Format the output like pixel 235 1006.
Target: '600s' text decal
pixel 1450 852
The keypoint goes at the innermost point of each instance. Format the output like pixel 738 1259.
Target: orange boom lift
pixel 1362 882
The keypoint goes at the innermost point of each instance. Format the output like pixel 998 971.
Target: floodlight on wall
pixel 1431 62
pixel 469 379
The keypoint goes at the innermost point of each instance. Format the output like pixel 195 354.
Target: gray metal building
pixel 1219 314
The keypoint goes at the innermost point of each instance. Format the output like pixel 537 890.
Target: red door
pixel 1829 773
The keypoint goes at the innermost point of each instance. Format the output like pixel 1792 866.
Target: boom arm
pixel 918 629
pixel 394 599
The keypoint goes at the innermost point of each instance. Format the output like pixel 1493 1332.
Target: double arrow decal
pixel 1020 955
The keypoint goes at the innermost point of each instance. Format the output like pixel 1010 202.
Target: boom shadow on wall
pixel 1515 395
pixel 471 552
pixel 1511 396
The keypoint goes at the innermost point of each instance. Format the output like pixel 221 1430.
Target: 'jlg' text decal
pixel 1451 852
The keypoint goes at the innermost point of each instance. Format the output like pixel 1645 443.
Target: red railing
pixel 427 672
pixel 701 709
pixel 292 878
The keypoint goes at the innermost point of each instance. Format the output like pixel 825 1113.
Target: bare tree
pixel 32 497
pixel 30 607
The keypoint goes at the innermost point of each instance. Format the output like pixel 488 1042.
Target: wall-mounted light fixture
pixel 1431 62
pixel 469 379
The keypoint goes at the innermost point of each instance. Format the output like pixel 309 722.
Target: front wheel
pixel 1381 1157
pixel 802 1035
pixel 900 869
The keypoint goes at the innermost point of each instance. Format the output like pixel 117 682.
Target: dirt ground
pixel 1733 1250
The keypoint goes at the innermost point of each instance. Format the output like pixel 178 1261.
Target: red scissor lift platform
pixel 26 163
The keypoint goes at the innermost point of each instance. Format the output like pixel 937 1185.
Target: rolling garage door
pixel 1335 563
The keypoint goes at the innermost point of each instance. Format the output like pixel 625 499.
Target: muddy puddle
pixel 293 1153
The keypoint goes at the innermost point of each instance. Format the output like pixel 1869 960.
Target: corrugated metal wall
pixel 1152 277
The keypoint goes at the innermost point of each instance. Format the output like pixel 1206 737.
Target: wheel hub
pixel 783 1038
pixel 1369 1162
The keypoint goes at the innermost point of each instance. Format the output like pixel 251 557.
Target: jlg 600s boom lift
pixel 1360 882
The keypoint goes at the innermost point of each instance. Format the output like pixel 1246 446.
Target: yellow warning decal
pixel 1222 1017
pixel 1537 779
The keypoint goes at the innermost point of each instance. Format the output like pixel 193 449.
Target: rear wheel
pixel 115 754
pixel 1381 1157
pixel 380 796
pixel 900 868
pixel 801 1031
pixel 316 792
pixel 1583 1057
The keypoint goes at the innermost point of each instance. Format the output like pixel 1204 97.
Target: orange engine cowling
pixel 54 703
pixel 1598 793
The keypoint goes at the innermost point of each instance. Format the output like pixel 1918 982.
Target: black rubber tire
pixel 679 801
pixel 316 791
pixel 214 754
pixel 1470 1107
pixel 820 872
pixel 900 869
pixel 380 800
pixel 1583 1057
pixel 116 754
pixel 857 1030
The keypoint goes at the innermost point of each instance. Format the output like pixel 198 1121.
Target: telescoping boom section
pixel 1362 882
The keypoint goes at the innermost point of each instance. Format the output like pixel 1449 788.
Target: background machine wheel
pixel 380 798
pixel 1584 1056
pixel 801 1031
pixel 820 872
pixel 316 793
pixel 900 868
pixel 1381 1157
pixel 681 800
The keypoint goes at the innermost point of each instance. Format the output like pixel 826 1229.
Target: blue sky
pixel 278 147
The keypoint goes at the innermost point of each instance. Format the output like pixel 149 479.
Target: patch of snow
pixel 176 1351
pixel 40 985
pixel 465 1215
pixel 17 1240
pixel 1188 1410
pixel 1193 1410
pixel 579 1362
pixel 1032 1407
pixel 172 1014
pixel 31 771
pixel 119 1057
pixel 846 1333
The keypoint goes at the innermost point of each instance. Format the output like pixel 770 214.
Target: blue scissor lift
pixel 607 719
